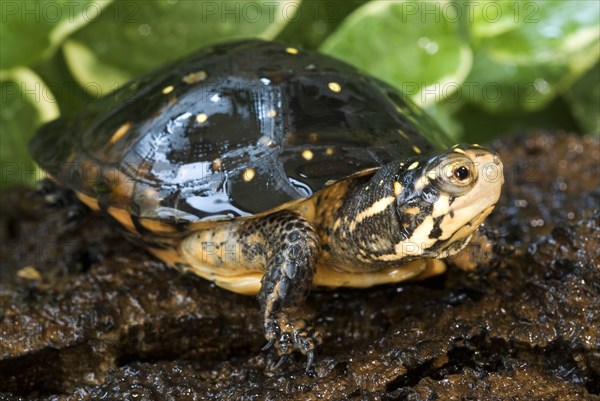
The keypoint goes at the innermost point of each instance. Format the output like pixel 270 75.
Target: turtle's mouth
pixel 461 237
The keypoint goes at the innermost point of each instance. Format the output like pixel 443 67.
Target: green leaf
pixel 529 52
pixel 96 77
pixel 26 102
pixel 444 115
pixel 426 58
pixel 31 30
pixel 480 126
pixel 132 37
pixel 584 101
pixel 316 20
pixel 70 96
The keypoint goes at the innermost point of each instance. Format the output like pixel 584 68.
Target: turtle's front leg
pixel 291 253
pixel 282 248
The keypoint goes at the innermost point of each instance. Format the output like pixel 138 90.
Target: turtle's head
pixel 443 198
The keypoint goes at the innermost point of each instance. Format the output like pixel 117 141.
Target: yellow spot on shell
pixel 291 50
pixel 120 132
pixel 397 188
pixel 168 89
pixel 403 134
pixel 249 174
pixel 194 77
pixel 201 118
pixel 416 149
pixel 413 166
pixel 271 113
pixel 334 87
pixel 307 154
pixel 216 164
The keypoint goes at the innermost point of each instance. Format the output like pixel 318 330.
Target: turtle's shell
pixel 232 130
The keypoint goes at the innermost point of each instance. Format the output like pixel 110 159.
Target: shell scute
pixel 233 130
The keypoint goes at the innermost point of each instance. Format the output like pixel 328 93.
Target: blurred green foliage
pixel 481 68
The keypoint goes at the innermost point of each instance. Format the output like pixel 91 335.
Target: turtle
pixel 271 170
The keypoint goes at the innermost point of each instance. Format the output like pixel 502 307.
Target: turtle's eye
pixel 461 173
pixel 455 175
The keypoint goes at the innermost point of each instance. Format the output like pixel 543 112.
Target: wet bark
pixel 86 315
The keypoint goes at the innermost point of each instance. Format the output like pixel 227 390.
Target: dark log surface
pixel 86 315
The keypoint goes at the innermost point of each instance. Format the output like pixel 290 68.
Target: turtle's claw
pixel 288 335
pixel 281 361
pixel 310 362
pixel 268 345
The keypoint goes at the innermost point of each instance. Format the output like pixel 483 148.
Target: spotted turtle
pixel 270 170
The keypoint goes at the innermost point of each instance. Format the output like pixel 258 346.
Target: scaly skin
pixel 290 254
pixel 364 225
pixel 282 249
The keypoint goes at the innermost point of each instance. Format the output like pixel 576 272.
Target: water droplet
pixel 520 203
pixel 429 46
pixel 145 29
pixel 551 31
pixel 537 223
pixel 542 86
pixel 319 27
